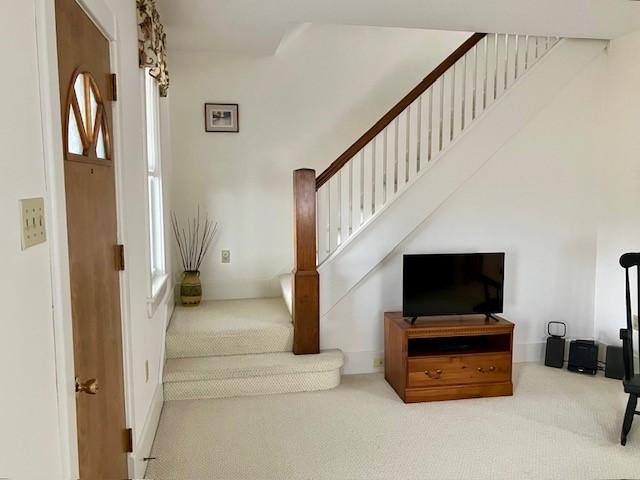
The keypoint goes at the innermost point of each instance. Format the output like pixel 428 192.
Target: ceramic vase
pixel 191 289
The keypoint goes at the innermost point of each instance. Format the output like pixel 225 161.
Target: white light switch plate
pixel 226 256
pixel 32 222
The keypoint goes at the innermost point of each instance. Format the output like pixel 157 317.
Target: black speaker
pixel 583 357
pixel 615 363
pixel 554 353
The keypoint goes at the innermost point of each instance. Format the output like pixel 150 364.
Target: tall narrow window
pixel 154 184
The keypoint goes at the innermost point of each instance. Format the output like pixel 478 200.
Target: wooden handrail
pixel 397 109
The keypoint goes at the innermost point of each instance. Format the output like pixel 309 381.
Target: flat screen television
pixel 452 284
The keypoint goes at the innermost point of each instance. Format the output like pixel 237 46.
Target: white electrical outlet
pixel 226 256
pixel 32 222
pixel 378 362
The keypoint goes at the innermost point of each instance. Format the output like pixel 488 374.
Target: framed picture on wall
pixel 221 117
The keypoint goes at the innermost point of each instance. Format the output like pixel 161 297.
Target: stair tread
pixel 230 327
pixel 250 365
pixel 230 317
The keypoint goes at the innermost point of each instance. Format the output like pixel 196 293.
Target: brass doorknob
pixel 89 387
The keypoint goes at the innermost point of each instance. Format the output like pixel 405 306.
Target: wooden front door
pixel 85 96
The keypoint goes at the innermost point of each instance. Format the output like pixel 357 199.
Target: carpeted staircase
pixel 231 348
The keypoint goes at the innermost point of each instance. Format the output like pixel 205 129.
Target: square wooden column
pixel 305 277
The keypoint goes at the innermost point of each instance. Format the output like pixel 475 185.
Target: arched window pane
pixel 101 150
pixel 78 88
pixel 74 141
pixel 94 109
pixel 83 135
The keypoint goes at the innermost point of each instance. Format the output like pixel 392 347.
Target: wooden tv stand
pixel 449 357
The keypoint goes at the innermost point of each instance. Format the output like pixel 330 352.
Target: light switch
pixel 226 256
pixel 33 224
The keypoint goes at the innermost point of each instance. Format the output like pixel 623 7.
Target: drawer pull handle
pixel 491 369
pixel 431 374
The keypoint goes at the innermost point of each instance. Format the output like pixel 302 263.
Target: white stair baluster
pixel 396 154
pixel 350 197
pixel 362 186
pixel 430 130
pixel 339 210
pixel 452 106
pixel 373 176
pixel 384 164
pixel 419 133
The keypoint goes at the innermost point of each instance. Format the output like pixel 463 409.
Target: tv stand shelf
pixel 449 357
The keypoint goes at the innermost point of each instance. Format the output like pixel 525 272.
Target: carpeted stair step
pixel 253 374
pixel 230 327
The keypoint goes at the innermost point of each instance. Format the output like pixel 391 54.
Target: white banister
pixel 418 135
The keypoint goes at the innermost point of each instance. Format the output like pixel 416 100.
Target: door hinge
pixel 114 87
pixel 128 440
pixel 120 257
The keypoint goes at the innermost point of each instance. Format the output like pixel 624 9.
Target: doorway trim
pixel 55 207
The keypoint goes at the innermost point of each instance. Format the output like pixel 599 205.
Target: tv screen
pixel 452 284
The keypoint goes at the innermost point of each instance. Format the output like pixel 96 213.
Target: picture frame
pixel 221 117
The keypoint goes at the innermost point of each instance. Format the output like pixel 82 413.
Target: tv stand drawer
pixel 459 369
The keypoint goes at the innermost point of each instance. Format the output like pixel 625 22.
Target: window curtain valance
pixel 152 44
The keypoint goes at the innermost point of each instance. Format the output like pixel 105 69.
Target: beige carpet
pixel 255 374
pixel 558 425
pixel 230 327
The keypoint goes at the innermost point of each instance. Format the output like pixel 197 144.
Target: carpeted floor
pixel 558 425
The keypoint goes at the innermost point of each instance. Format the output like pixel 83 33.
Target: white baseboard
pixel 144 441
pixel 171 305
pixel 528 352
pixel 363 362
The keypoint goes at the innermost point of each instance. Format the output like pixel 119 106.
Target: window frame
pixel 154 193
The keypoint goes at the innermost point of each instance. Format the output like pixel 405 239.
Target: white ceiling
pixel 258 26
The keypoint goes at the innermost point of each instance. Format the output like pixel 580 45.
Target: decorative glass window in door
pixel 87 126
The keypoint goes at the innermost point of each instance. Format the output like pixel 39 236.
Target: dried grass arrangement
pixel 194 242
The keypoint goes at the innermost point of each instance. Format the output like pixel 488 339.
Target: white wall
pixel 560 198
pixel 32 441
pixel 535 200
pixel 28 400
pixel 619 171
pixel 300 108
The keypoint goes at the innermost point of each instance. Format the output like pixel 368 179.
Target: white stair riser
pixel 247 366
pixel 202 346
pixel 285 288
pixel 265 385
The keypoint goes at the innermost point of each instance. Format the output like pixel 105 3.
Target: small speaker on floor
pixel 554 353
pixel 583 357
pixel 615 363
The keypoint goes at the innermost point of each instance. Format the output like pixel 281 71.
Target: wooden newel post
pixel 305 278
